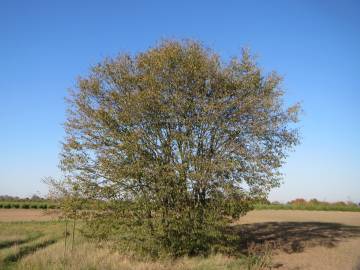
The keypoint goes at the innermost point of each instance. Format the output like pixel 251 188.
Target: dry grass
pixel 88 256
pixel 19 239
pixel 40 245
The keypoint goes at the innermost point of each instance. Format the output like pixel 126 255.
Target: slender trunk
pixel 73 235
pixel 66 232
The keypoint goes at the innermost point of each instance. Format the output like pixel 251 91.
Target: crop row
pixel 18 205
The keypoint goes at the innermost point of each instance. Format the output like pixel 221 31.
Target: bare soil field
pixel 318 240
pixel 27 215
pixel 347 218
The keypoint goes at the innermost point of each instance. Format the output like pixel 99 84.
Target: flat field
pixel 33 239
pixel 10 215
pixel 307 239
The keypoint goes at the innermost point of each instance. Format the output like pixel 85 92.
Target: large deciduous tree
pixel 172 143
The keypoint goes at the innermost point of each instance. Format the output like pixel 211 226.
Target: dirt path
pixel 317 240
pixel 26 215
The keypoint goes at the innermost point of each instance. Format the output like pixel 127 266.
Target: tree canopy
pixel 172 143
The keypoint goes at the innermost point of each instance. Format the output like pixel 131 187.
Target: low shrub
pixel 15 205
pixel 25 206
pixel 43 206
pixel 28 204
pixel 7 205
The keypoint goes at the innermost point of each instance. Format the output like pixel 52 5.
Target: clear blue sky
pixel 315 45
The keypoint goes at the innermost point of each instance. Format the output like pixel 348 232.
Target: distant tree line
pixel 33 202
pixel 312 204
pixel 18 199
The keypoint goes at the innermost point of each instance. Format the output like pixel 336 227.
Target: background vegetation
pixel 33 202
pixel 298 204
pixel 28 205
pixel 313 204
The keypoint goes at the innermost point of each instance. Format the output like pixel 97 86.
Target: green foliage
pixel 42 206
pixel 170 145
pixel 16 205
pixel 28 204
pixel 25 206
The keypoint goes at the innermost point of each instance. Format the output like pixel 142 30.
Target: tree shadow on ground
pixel 289 237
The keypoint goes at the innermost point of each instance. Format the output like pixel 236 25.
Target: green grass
pixel 19 239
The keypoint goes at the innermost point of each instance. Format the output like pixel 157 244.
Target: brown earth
pixel 347 218
pixel 27 215
pixel 318 240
